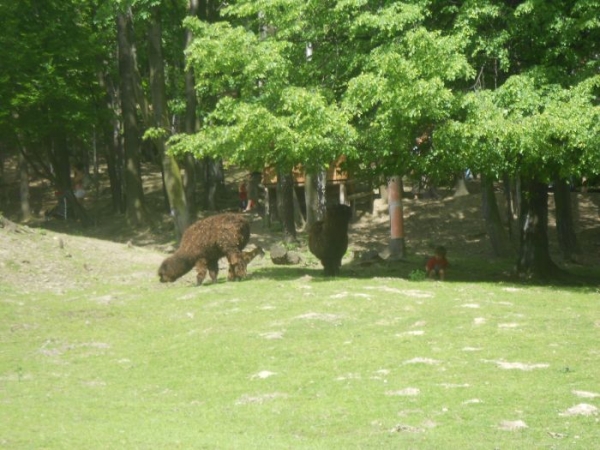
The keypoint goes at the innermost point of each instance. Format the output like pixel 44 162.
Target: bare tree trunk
pixel 321 194
pixel 59 156
pixel 24 189
pixel 6 198
pixel 314 196
pixel 310 198
pixel 285 204
pixel 397 245
pixel 499 239
pixel 267 215
pixel 215 179
pixel 191 120
pixel 2 150
pixel 567 239
pixel 253 188
pixel 460 187
pixel 511 209
pixel 534 255
pixel 299 219
pixel 171 172
pixel 211 179
pixel 110 131
pixel 343 194
pixel 135 205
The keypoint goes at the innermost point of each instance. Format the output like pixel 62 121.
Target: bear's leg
pixel 201 268
pixel 331 267
pixel 237 265
pixel 213 269
pixel 336 267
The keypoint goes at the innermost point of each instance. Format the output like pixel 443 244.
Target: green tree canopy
pixel 260 116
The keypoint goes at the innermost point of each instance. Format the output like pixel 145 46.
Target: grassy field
pixel 286 359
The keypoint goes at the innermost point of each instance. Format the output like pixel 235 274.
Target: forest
pixel 508 89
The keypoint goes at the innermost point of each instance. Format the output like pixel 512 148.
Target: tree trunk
pixel 299 220
pixel 111 143
pixel 322 193
pixel 59 156
pixel 397 245
pixel 534 255
pixel 343 194
pixel 6 197
pixel 311 198
pixel 24 189
pixel 285 204
pixel 189 179
pixel 511 204
pixel 314 196
pixel 267 213
pixel 190 120
pixel 215 179
pixel 499 239
pixel 171 172
pixel 135 206
pixel 253 188
pixel 460 187
pixel 567 239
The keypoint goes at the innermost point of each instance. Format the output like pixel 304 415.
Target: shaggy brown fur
pixel 204 243
pixel 247 256
pixel 328 238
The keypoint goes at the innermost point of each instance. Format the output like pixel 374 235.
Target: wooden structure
pixel 339 188
pixel 335 174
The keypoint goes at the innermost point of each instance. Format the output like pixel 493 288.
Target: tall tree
pixel 538 63
pixel 285 204
pixel 565 227
pixel 135 204
pixel 262 116
pixel 24 189
pixel 171 172
pixel 499 239
pixel 47 87
pixel 190 118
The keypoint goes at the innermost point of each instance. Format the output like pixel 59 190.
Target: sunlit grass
pixel 298 361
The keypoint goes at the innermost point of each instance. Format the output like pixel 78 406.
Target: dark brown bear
pixel 328 238
pixel 202 245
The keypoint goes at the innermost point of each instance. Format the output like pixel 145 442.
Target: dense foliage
pixel 500 87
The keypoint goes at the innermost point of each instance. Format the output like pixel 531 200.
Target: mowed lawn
pixel 288 359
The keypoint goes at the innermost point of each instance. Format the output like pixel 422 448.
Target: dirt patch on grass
pixel 519 366
pixel 407 392
pixel 583 409
pixel 428 361
pixel 512 425
pixel 34 260
pixel 586 394
pixel 259 399
pixel 333 318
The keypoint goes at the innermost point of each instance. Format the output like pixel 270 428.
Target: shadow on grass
pixel 402 269
pixel 113 228
pixel 460 271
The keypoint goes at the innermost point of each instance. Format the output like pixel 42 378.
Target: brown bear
pixel 328 238
pixel 202 245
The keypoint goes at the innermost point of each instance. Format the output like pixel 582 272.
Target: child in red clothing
pixel 437 264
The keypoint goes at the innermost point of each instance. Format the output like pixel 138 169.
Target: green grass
pixel 286 360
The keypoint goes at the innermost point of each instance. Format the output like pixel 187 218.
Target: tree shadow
pixel 412 269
